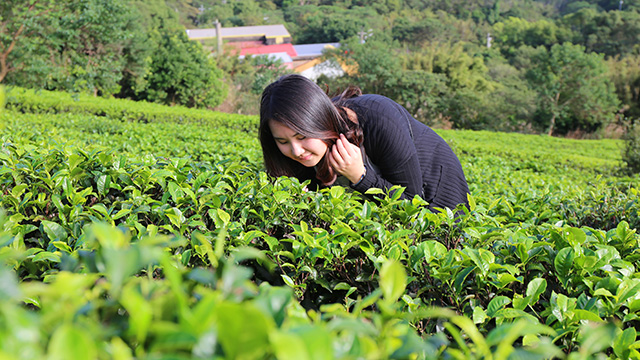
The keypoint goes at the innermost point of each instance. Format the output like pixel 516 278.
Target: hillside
pixel 543 67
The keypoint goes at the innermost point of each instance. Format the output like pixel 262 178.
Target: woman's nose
pixel 296 149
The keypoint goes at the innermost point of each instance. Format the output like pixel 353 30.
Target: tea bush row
pixel 163 139
pixel 162 240
pixel 328 246
pixel 56 102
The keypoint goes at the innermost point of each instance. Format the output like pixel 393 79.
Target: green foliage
pixel 50 102
pixel 91 39
pixel 631 152
pixel 575 93
pixel 379 71
pixel 625 75
pixel 235 13
pixel 463 71
pixel 318 24
pixel 155 238
pixel 428 29
pixel 512 103
pixel 19 21
pixel 515 32
pixel 102 48
pixel 439 81
pixel 180 72
pixel 74 46
pixel 265 70
pixel 377 68
pixel 610 33
pixel 247 78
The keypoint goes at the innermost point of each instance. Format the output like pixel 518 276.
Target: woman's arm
pixel 388 142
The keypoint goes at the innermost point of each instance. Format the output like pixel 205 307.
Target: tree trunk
pixel 4 70
pixel 552 124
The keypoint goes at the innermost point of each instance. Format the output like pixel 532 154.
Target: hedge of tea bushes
pixel 160 139
pixel 117 249
pixel 102 226
pixel 55 102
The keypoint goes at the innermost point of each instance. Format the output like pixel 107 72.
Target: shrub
pixel 631 152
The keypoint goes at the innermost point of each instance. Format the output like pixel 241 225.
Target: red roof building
pixel 270 49
pixel 274 41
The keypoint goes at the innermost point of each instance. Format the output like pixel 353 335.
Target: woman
pixel 363 141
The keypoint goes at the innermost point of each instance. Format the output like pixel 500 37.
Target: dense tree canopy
pixel 19 22
pixel 103 47
pixel 625 73
pixel 475 64
pixel 575 92
pixel 180 73
pixel 490 64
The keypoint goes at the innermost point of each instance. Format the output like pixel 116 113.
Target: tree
pixel 511 105
pixel 89 44
pixel 625 74
pixel 573 88
pixel 247 78
pixel 430 28
pixel 377 70
pixel 611 33
pixel 631 151
pixel 423 94
pixel 180 72
pixel 68 45
pixel 515 32
pixel 463 70
pixel 19 20
pixel 328 23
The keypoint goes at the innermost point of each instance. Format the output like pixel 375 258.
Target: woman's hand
pixel 346 159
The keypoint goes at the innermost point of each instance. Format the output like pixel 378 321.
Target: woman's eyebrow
pixel 294 135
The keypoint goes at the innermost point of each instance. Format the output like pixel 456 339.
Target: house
pixel 284 52
pixel 309 61
pixel 265 34
pixel 275 41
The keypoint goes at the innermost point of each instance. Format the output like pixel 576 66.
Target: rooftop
pixel 268 31
pixel 313 50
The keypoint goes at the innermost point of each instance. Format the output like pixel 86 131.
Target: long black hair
pixel 301 105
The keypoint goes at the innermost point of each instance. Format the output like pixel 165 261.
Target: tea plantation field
pixel 138 231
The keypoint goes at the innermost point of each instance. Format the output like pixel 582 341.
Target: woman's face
pixel 306 151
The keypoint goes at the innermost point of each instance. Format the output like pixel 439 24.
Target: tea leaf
pixel 479 315
pixel 140 311
pixel 103 183
pixel 393 281
pixel 580 314
pixel 623 341
pixel 497 303
pixel 563 261
pixel 243 330
pixel 71 343
pixel 288 346
pixel 288 281
pixel 54 231
pixel 536 288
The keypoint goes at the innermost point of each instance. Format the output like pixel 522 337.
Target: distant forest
pixel 569 68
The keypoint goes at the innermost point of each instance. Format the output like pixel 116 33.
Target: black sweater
pixel 407 153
